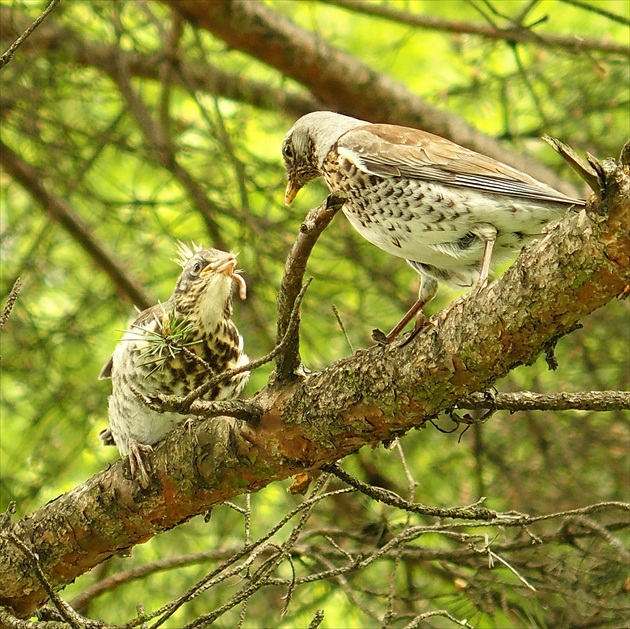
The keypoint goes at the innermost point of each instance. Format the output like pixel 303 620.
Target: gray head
pixel 204 288
pixel 308 142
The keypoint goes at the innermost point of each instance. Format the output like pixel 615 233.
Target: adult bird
pixel 447 210
pixel 171 349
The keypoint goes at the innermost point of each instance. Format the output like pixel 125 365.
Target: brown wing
pixel 390 150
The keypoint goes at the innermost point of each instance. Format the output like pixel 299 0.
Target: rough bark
pixel 371 396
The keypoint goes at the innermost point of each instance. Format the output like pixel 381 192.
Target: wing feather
pixel 388 150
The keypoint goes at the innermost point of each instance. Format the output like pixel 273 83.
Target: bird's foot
pixel 106 437
pixel 415 311
pixel 385 339
pixel 189 426
pixel 481 284
pixel 419 324
pixel 137 465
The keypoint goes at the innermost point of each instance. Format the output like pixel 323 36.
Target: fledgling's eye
pixel 197 268
pixel 287 151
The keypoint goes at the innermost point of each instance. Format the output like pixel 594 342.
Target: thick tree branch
pixel 59 210
pixel 339 80
pixel 374 395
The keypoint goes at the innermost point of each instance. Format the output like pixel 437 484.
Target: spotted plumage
pixel 172 348
pixel 447 210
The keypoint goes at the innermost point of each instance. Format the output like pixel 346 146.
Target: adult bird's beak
pixel 291 190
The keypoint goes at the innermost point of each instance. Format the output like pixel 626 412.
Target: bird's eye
pixel 287 151
pixel 197 268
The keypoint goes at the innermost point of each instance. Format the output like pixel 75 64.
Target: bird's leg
pixel 488 234
pixel 428 289
pixel 137 464
pixel 415 311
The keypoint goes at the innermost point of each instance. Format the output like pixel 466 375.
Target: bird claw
pixel 481 284
pixel 137 466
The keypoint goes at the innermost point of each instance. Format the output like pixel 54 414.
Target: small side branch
pixel 471 512
pixel 590 172
pixel 11 299
pixel 512 33
pixel 529 401
pixel 288 360
pixel 8 55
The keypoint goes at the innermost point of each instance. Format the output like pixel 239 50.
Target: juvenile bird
pixel 172 348
pixel 447 210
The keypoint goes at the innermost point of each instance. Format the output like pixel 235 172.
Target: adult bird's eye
pixel 197 268
pixel 287 151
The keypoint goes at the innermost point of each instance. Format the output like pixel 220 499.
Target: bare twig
pixel 587 171
pixel 529 401
pixel 316 221
pixel 418 621
pixel 389 497
pixel 11 299
pixel 317 619
pixel 8 55
pixel 599 10
pixel 342 327
pixel 68 614
pixel 572 43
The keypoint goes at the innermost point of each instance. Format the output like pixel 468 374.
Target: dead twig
pixel 12 49
pixel 288 361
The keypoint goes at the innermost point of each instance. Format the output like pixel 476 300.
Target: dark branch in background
pixel 11 299
pixel 165 153
pixel 204 77
pixel 529 401
pixel 288 361
pixel 575 43
pixel 60 210
pixel 587 6
pixel 339 80
pixel 8 55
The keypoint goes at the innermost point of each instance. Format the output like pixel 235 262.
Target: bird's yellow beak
pixel 225 267
pixel 291 191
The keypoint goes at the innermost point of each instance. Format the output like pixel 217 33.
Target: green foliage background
pixel 68 119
